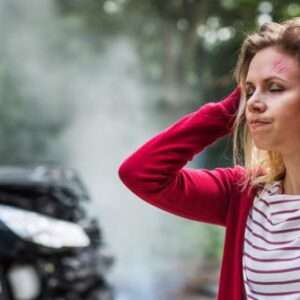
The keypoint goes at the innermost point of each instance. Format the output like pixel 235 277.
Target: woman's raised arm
pixel 156 173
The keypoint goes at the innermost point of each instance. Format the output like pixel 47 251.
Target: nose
pixel 255 104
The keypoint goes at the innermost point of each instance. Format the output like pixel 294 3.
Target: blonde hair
pixel 262 166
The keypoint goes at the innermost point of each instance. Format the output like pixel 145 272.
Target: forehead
pixel 273 62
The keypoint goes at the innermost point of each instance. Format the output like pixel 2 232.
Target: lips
pixel 253 121
pixel 258 124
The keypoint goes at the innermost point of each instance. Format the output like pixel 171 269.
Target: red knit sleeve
pixel 156 173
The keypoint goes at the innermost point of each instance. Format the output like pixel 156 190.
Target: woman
pixel 257 200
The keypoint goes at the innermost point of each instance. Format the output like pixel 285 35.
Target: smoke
pixel 106 100
pixel 111 119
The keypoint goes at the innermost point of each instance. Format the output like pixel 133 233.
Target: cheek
pixel 290 117
pixel 287 110
pixel 246 113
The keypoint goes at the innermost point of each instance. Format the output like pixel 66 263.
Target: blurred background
pixel 84 83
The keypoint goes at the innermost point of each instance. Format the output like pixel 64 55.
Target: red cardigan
pixel 156 173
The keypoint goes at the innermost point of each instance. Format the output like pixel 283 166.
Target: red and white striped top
pixel 271 258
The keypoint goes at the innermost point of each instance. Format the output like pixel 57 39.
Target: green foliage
pixel 214 243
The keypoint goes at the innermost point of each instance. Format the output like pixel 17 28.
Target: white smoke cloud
pixel 107 100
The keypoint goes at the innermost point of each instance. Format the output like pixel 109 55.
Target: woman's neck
pixel 289 189
pixel 291 181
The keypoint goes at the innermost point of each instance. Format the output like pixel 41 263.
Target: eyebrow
pixel 268 79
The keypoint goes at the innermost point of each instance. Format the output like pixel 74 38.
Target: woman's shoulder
pixel 244 178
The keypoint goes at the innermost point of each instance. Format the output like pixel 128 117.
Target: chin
pixel 263 145
pixel 264 148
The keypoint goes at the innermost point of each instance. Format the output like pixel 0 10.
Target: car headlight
pixel 43 230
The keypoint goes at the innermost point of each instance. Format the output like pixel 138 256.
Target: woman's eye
pixel 249 93
pixel 275 88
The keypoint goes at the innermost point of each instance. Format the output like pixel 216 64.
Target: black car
pixel 50 245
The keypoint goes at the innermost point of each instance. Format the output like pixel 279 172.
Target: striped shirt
pixel 271 256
